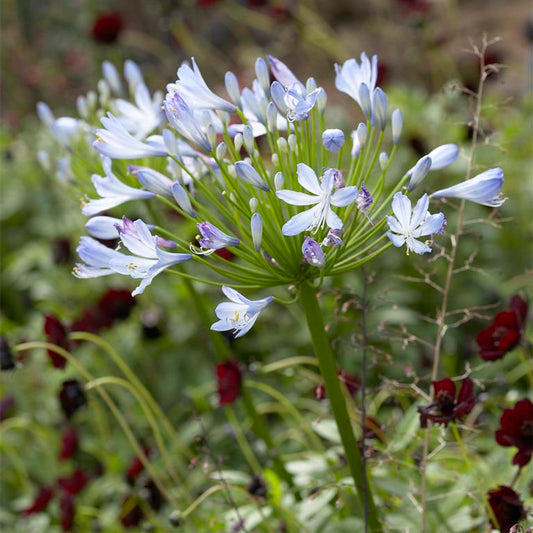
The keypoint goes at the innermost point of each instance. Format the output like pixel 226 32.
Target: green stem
pixel 328 370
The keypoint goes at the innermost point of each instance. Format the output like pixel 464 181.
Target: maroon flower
pixel 517 430
pixel 106 28
pixel 229 379
pixel 446 406
pixel 351 381
pixel 257 487
pixel 69 443
pixel 131 513
pixel 90 321
pixel 507 507
pixel 43 498
pixel 226 254
pixel 56 333
pixel 71 397
pixel 66 511
pixel 74 483
pixel 505 331
pixel 207 3
pixel 136 466
pixel 6 355
pixel 7 406
pixel 115 304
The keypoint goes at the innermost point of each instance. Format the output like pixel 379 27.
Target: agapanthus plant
pixel 301 210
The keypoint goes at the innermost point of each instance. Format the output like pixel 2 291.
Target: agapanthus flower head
pixel 516 429
pixel 239 314
pixel 229 381
pixel 322 198
pixel 507 507
pixel 72 397
pixel 407 226
pixel 484 189
pixel 448 406
pixel 505 331
pixel 56 333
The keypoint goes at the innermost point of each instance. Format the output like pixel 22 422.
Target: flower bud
pixel 365 101
pixel 313 254
pixel 277 93
pixel 272 117
pixel 133 75
pixel 321 101
pixel 380 106
pixel 419 172
pixel 383 160
pixel 44 160
pixel 278 181
pixel 256 225
pixel 82 107
pixel 262 74
pixel 103 92
pixel 275 160
pixel 232 88
pixel 253 203
pixel 238 140
pixel 182 199
pixel 224 116
pixel 103 227
pixel 112 77
pixel 171 143
pixel 91 100
pixel 362 132
pixel 293 144
pixel 283 145
pixel 397 125
pixel 151 180
pixel 247 173
pixel 443 155
pixel 356 145
pixel 221 151
pixel 248 139
pixel 310 85
pixel 211 134
pixel 333 140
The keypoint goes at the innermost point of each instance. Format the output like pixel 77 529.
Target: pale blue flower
pixel 397 125
pixel 116 142
pixel 112 192
pixel 183 119
pixel 65 128
pixel 407 226
pixel 380 105
pixel 283 73
pixel 103 227
pixel 333 238
pixel 352 75
pixel 232 87
pixel 364 199
pixel 484 189
pixel 112 77
pixel 96 259
pixel 322 198
pixel 419 172
pixel 256 226
pixel 262 74
pixel 299 102
pixel 152 180
pixel 211 239
pixel 143 117
pixel 247 173
pixel 239 314
pixel 133 75
pixel 443 155
pixel 192 87
pixel 182 199
pixel 333 140
pixel 312 253
pixel 45 114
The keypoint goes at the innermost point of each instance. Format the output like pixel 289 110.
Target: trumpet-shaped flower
pixel 407 226
pixel 112 191
pixel 352 75
pixel 146 262
pixel 183 119
pixel 322 198
pixel 299 102
pixel 484 189
pixel 116 142
pixel 213 239
pixel 192 87
pixel 142 117
pixel 239 314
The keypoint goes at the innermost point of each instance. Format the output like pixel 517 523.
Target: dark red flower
pixel 207 3
pixel 446 406
pixel 56 333
pixel 136 466
pixel 226 254
pixel 115 304
pixel 6 355
pixel 43 498
pixel 505 331
pixel 257 486
pixel 69 443
pixel 74 483
pixel 66 511
pixel 71 397
pixel 7 405
pixel 229 380
pixel 107 27
pixel 351 381
pixel 90 321
pixel 517 430
pixel 507 507
pixel 131 513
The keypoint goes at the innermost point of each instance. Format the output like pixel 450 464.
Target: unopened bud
pixel 221 151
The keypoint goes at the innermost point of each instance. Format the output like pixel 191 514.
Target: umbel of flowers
pixel 308 206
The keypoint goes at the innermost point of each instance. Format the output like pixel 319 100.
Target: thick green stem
pixel 328 370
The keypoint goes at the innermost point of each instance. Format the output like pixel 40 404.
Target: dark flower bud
pixel 69 443
pixel 56 333
pixel 43 498
pixel 106 28
pixel 74 483
pixel 72 397
pixel 229 380
pixel 6 355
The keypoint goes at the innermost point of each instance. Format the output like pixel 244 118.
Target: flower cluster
pixel 310 209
